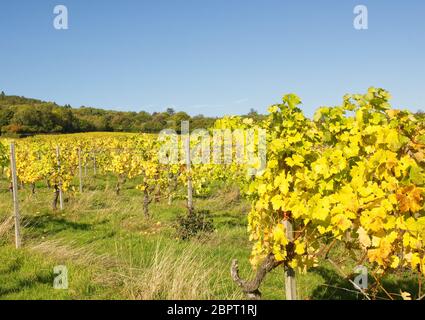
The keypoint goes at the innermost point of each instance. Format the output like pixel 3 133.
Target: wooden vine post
pixel 290 281
pixel 94 164
pixel 15 196
pixel 60 181
pixel 186 136
pixel 189 182
pixel 80 170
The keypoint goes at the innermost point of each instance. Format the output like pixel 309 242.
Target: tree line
pixel 20 116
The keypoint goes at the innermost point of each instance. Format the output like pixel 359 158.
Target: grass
pixel 112 252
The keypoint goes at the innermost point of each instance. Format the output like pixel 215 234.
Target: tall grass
pixel 170 273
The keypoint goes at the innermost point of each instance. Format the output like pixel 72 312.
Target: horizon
pixel 211 58
pixel 152 112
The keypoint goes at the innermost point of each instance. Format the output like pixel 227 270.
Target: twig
pixel 326 250
pixel 348 290
pixel 340 288
pixel 380 285
pixel 351 281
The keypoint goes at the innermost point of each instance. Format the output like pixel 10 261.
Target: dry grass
pixel 58 251
pixel 165 274
pixel 6 225
pixel 227 196
pixel 170 275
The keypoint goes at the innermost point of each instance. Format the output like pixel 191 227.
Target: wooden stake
pixel 60 182
pixel 80 170
pixel 290 281
pixel 15 196
pixel 186 133
pixel 94 164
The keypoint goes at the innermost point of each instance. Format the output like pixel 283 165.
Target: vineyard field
pixel 324 208
pixel 94 229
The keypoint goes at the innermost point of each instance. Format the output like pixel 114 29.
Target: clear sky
pixel 211 56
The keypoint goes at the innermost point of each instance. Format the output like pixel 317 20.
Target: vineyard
pixel 284 206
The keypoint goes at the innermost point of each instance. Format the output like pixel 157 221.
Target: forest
pixel 20 116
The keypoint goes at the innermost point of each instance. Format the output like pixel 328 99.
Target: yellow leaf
pixel 364 238
pixel 406 295
pixel 409 199
pixel 341 221
pixel 300 248
pixel 395 262
pixel 277 202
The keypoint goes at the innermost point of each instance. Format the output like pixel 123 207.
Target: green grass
pixel 113 252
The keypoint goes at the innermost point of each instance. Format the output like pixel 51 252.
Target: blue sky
pixel 211 56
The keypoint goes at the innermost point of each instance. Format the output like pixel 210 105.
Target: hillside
pixel 25 116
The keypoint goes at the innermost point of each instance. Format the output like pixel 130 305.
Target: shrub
pixel 199 221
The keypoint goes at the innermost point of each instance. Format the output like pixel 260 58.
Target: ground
pixel 112 251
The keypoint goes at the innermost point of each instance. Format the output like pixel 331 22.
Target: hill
pixel 25 116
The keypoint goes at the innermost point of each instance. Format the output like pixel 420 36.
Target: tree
pixel 5 115
pixel 170 111
pixel 36 116
pixel 252 113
